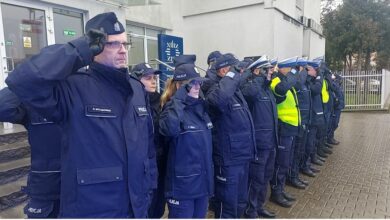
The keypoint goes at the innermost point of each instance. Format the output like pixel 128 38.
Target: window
pixel 144 44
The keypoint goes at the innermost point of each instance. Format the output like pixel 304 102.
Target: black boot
pixel 288 196
pixel 315 170
pixel 294 182
pixel 308 172
pixel 321 154
pixel 264 213
pixel 305 182
pixel 280 200
pixel 326 150
pixel 320 158
pixel 316 161
pixel 333 141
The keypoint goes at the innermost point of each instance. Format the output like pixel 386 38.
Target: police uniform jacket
pixel 44 137
pixel 303 95
pixel 315 86
pixel 262 104
pixel 106 121
pixel 187 127
pixel 233 133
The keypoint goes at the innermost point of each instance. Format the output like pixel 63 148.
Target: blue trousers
pixel 260 173
pixel 311 147
pixel 231 190
pixel 282 163
pixel 335 123
pixel 298 154
pixel 193 208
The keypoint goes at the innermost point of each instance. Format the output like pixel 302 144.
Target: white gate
pixel 366 90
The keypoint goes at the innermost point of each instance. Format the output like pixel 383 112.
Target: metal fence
pixel 366 90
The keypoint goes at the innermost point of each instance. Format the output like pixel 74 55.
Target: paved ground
pixel 354 183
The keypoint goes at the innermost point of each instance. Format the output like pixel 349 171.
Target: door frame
pixel 49 31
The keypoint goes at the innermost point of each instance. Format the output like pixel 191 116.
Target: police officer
pixel 303 95
pixel 158 153
pixel 187 126
pixel 211 72
pixel 327 102
pixel 233 139
pixel 338 106
pixel 262 104
pixel 314 81
pixel 105 116
pixel 44 137
pixel 289 121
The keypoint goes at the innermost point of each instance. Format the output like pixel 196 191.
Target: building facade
pixel 278 28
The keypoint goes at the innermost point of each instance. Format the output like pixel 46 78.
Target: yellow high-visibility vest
pixel 324 92
pixel 288 111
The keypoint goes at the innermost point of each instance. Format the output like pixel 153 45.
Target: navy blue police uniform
pixel 44 137
pixel 262 104
pixel 233 141
pixel 339 105
pixel 186 125
pixel 304 100
pixel 106 121
pixel 317 120
pixel 158 151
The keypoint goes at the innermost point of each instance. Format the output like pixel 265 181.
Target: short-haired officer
pixel 262 104
pixel 233 139
pixel 315 82
pixel 105 116
pixel 289 121
pixel 45 139
pixel 304 100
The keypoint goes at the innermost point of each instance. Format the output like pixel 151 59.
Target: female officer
pixel 147 75
pixel 187 127
pixel 262 104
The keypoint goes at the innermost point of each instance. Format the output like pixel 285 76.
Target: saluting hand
pixel 96 40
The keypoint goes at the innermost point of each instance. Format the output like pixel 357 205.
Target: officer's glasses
pixel 118 45
pixel 195 82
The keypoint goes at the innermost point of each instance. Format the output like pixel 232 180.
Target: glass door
pixel 23 34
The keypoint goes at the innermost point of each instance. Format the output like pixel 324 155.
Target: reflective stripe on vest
pixel 324 92
pixel 288 111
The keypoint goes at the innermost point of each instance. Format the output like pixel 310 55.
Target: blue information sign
pixel 168 48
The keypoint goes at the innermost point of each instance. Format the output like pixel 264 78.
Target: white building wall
pixel 288 38
pixel 312 9
pixel 244 31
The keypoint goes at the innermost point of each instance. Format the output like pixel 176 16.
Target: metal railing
pixel 365 90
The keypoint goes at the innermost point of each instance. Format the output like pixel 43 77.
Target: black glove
pixel 96 40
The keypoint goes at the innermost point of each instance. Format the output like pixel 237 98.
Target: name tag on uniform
pixel 99 111
pixel 141 110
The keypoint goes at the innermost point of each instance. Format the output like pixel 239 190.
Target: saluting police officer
pixel 289 121
pixel 233 139
pixel 187 126
pixel 105 116
pixel 261 102
pixel 303 95
pixel 45 139
pixel 314 81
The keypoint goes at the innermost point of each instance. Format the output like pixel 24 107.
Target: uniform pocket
pixel 188 180
pixel 100 188
pixel 240 146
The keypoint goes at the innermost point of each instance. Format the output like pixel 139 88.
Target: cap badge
pixel 117 27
